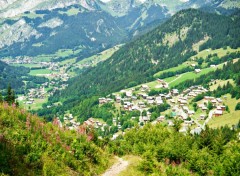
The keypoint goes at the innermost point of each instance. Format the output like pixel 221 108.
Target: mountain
pixel 29 146
pixel 31 28
pixel 170 44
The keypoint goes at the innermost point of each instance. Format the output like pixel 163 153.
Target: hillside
pixel 17 76
pixel 29 146
pixel 170 44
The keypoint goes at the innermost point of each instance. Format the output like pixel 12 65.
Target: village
pixel 55 73
pixel 180 106
pixel 138 99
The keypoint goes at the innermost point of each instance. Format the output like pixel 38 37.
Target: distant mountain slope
pixel 45 26
pixel 87 31
pixel 168 45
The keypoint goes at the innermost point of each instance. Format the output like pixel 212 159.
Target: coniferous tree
pixel 1 98
pixel 10 97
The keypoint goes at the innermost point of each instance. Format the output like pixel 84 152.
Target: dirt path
pixel 114 170
pixel 177 78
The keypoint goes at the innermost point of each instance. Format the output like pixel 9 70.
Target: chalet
pixel 208 98
pixel 175 92
pixel 197 130
pixel 197 70
pixel 192 94
pixel 168 96
pixel 102 100
pixel 109 100
pixel 193 65
pixel 173 101
pixel 135 107
pixel 183 101
pixel 160 80
pixel 214 102
pixel 191 112
pixel 165 85
pixel 204 108
pixel 183 130
pixel 159 101
pixel 144 119
pixel 218 113
pixel 219 100
pixel 185 109
pixel 128 93
pixel 188 122
pixel 212 66
pixel 221 108
pixel 134 98
pixel 162 96
pixel 143 95
pixel 150 98
pixel 145 87
pixel 118 99
pixel 186 91
pixel 150 101
pixel 170 123
pixel 202 117
pixel 161 118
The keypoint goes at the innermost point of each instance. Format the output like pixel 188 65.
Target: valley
pixel 110 87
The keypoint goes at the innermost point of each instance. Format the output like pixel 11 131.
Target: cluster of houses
pixel 131 100
pixel 34 93
pixel 94 123
pixel 70 122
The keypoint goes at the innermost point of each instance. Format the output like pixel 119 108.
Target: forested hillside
pixel 164 152
pixel 29 146
pixel 172 43
pixel 15 76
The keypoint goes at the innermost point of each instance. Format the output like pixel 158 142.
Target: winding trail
pixel 114 170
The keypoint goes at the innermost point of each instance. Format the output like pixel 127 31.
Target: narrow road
pixel 209 118
pixel 177 78
pixel 120 166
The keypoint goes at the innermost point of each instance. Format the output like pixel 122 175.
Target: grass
pixel 173 69
pixel 132 169
pixel 40 72
pixel 220 52
pixel 37 104
pixel 221 83
pixel 100 56
pixel 229 119
pixel 27 65
pixel 68 61
pixel 70 12
pixel 190 75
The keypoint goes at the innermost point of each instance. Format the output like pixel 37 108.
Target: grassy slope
pixel 221 83
pixel 40 72
pixel 229 119
pixel 220 52
pixel 100 56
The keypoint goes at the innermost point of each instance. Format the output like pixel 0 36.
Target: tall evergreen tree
pixel 10 97
pixel 1 98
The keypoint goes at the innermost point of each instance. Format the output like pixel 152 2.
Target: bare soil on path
pixel 118 167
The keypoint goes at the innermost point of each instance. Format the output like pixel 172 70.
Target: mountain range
pixel 45 26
